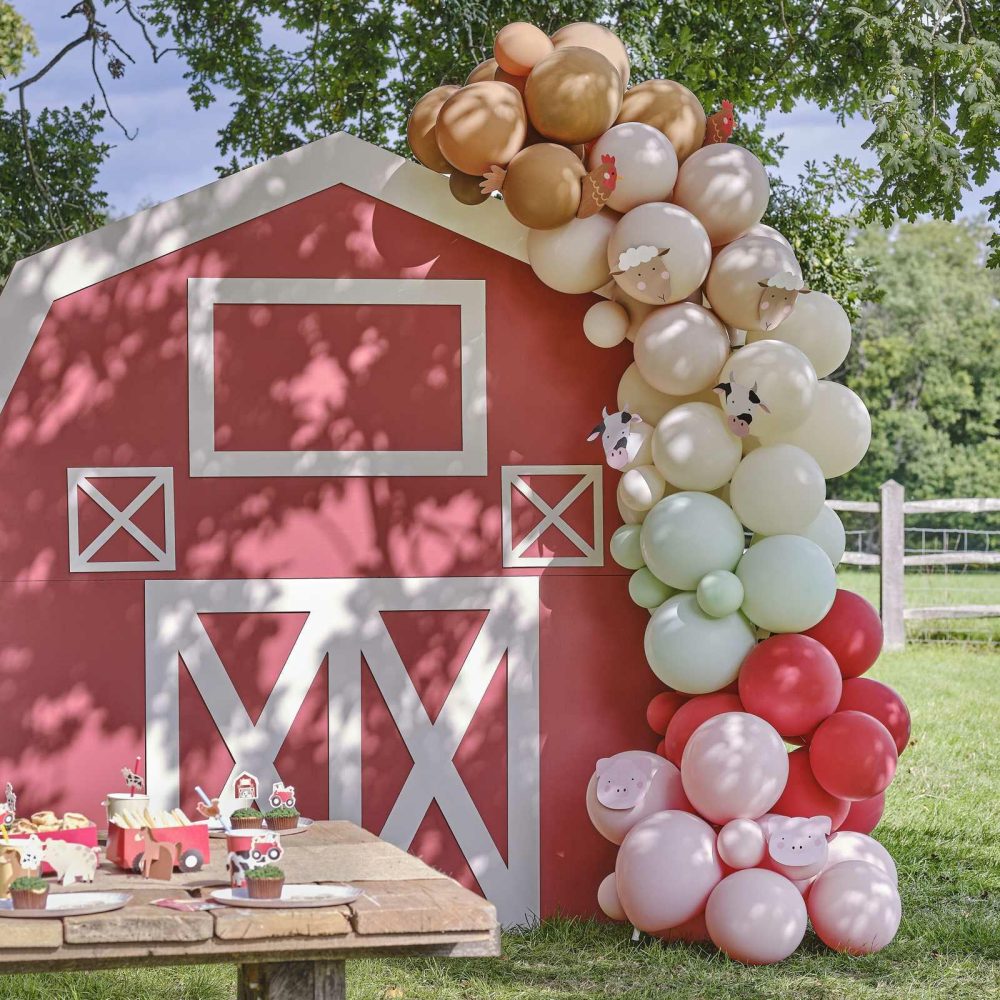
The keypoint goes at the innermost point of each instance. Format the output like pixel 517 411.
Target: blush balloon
pixel 692 931
pixel 741 844
pixel 661 710
pixel 862 694
pixel 689 716
pixel 853 756
pixel 864 816
pixel 607 898
pixel 804 796
pixel 855 908
pixel 847 845
pixel 852 631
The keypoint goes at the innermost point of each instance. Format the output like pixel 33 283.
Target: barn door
pixel 344 625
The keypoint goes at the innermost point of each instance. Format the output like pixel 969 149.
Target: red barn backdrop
pixel 294 479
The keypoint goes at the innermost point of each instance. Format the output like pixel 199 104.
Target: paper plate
pixel 292 897
pixel 69 904
pixel 216 830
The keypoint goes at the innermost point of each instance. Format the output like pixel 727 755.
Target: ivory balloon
pixel 777 489
pixel 670 253
pixel 789 583
pixel 486 70
pixel 692 652
pixel 818 327
pixel 637 395
pixel 481 125
pixel 854 908
pixel 420 128
pixel 519 46
pixel 542 186
pixel 669 107
pixel 836 432
pixel 588 35
pixel 644 456
pixel 465 188
pixel 646 590
pixel 642 487
pixel 733 286
pixel 625 547
pixel 741 844
pixel 645 161
pixel 680 348
pixel 605 324
pixel 629 517
pixel 607 898
pixel 573 258
pixel 767 232
pixel 785 383
pixel 693 449
pixel 726 187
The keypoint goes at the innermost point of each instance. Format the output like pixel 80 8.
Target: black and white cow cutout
pixel 620 438
pixel 740 404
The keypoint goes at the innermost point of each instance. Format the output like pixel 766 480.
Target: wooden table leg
pixel 292 981
pixel 249 984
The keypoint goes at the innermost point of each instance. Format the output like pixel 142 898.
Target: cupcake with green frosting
pixel 265 883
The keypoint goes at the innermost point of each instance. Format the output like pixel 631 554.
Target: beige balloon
pixel 767 233
pixel 486 70
pixel 818 327
pixel 659 253
pixel 573 258
pixel 420 129
pixel 777 490
pixel 670 107
pixel 726 187
pixel 605 323
pixel 693 449
pixel 542 186
pixel 650 403
pixel 643 487
pixel 588 35
pixel 733 286
pixel 481 125
pixel 645 161
pixel 680 348
pixel 519 46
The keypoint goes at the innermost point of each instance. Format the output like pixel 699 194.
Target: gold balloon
pixel 519 46
pixel 595 36
pixel 484 71
pixel 481 125
pixel 573 95
pixel 420 128
pixel 542 186
pixel 465 188
pixel 669 107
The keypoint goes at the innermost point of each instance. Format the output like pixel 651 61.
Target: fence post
pixel 892 549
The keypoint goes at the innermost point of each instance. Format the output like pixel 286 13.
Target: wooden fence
pixel 892 508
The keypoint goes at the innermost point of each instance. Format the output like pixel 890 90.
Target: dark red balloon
pixel 691 715
pixel 804 796
pixel 862 694
pixel 661 710
pixel 659 749
pixel 853 756
pixel 863 816
pixel 852 631
pixel 791 681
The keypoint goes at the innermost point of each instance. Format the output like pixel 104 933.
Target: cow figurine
pixel 133 781
pixel 642 272
pixel 797 846
pixel 778 298
pixel 740 404
pixel 622 781
pixel 282 795
pixel 620 438
pixel 71 861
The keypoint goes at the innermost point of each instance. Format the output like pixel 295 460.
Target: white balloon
pixel 605 324
pixel 827 531
pixel 693 449
pixel 785 382
pixel 693 652
pixel 777 490
pixel 573 258
pixel 818 327
pixel 645 161
pixel 642 487
pixel 680 348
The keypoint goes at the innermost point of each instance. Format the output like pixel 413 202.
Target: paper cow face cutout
pixel 618 434
pixel 741 404
pixel 622 782
pixel 797 845
pixel 643 273
pixel 778 298
pixel 30 852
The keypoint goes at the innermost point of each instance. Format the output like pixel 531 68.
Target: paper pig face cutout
pixel 643 273
pixel 618 435
pixel 622 782
pixel 741 404
pixel 797 845
pixel 778 298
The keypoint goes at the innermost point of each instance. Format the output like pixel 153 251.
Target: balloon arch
pixel 754 815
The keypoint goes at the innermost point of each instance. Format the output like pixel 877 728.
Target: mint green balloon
pixel 625 547
pixel 646 590
pixel 720 593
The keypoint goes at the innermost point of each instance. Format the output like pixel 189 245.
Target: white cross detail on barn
pixel 344 624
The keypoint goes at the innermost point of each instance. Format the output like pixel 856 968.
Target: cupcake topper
pixel 247 786
pixel 133 781
pixel 8 812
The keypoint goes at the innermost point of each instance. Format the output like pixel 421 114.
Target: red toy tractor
pixel 282 795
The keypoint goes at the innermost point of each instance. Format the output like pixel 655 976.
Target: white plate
pixel 292 897
pixel 216 830
pixel 69 904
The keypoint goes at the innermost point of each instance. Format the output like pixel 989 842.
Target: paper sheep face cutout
pixel 778 298
pixel 643 273
pixel 618 434
pixel 622 782
pixel 740 404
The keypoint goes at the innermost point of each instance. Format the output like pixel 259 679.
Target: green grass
pixel 942 826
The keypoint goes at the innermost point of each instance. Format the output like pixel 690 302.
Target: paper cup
pixel 237 843
pixel 117 802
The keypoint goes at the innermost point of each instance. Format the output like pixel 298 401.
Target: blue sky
pixel 175 152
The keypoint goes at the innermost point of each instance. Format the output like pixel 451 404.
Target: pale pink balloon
pixel 756 917
pixel 666 869
pixel 849 846
pixel 855 908
pixel 607 898
pixel 664 791
pixel 692 931
pixel 734 767
pixel 741 844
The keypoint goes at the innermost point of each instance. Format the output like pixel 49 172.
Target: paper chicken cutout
pixel 720 125
pixel 598 187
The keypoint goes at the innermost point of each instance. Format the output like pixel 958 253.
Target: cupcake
pixel 265 883
pixel 247 819
pixel 282 818
pixel 29 893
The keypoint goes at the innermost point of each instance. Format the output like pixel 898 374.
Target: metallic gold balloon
pixel 669 107
pixel 542 186
pixel 482 125
pixel 420 128
pixel 595 36
pixel 519 46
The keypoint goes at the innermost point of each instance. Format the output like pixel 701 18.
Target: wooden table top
pixel 406 908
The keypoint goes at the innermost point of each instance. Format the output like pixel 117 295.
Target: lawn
pixel 942 826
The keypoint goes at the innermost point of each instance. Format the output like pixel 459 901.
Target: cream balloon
pixel 693 449
pixel 659 253
pixel 646 590
pixel 818 327
pixel 836 432
pixel 607 898
pixel 777 490
pixel 625 547
pixel 789 583
pixel 741 844
pixel 855 908
pixel 638 396
pixel 692 652
pixel 783 379
pixel 642 487
pixel 629 517
pixel 644 456
pixel 605 324
pixel 680 348
pixel 767 232
pixel 645 161
pixel 725 187
pixel 573 258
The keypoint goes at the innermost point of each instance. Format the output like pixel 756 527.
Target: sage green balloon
pixel 720 593
pixel 625 548
pixel 646 590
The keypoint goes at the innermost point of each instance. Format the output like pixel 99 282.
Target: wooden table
pixel 407 908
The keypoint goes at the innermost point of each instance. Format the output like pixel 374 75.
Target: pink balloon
pixel 854 907
pixel 864 816
pixel 757 917
pixel 734 767
pixel 692 931
pixel 741 844
pixel 666 869
pixel 607 898
pixel 663 792
pixel 850 846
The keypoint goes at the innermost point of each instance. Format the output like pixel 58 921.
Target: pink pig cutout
pixel 797 845
pixel 622 782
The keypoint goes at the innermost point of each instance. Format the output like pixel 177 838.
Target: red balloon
pixel 691 715
pixel 659 750
pixel 790 681
pixel 853 756
pixel 661 710
pixel 862 694
pixel 852 631
pixel 803 795
pixel 863 816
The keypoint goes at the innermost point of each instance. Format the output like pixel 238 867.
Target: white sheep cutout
pixel 778 298
pixel 646 267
